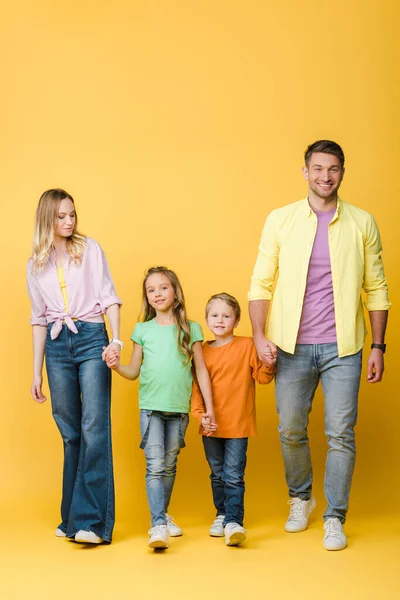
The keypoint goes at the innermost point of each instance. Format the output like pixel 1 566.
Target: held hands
pixel 266 350
pixel 375 366
pixel 111 356
pixel 208 423
pixel 36 390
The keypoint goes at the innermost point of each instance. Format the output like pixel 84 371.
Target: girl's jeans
pixel 163 436
pixel 80 388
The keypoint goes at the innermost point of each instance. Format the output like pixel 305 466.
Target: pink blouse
pixel 90 290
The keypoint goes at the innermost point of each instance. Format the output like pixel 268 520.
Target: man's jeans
pixel 297 377
pixel 163 436
pixel 80 388
pixel 227 460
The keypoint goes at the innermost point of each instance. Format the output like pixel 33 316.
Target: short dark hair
pixel 326 146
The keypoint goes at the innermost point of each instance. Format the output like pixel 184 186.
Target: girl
pixel 234 367
pixel 70 288
pixel 164 344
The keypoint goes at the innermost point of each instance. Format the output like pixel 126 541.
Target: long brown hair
pixel 45 225
pixel 178 310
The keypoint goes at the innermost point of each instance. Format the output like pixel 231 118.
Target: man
pixel 324 252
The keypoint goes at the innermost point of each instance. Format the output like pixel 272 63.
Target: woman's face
pixel 65 219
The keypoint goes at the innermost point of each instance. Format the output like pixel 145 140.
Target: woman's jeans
pixel 80 388
pixel 297 377
pixel 163 436
pixel 227 460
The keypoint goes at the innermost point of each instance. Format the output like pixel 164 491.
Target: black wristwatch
pixel 379 346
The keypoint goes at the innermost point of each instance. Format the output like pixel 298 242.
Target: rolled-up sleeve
pixel 38 306
pixel 105 286
pixel 374 284
pixel 262 280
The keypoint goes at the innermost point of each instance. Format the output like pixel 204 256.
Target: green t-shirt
pixel 165 382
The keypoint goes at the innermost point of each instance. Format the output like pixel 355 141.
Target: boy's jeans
pixel 163 436
pixel 297 377
pixel 80 388
pixel 227 460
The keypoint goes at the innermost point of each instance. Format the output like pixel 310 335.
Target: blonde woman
pixel 70 288
pixel 167 342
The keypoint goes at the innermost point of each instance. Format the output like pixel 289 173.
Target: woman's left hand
pixel 111 347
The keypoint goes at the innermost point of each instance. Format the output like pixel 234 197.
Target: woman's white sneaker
pixel 87 537
pixel 173 529
pixel 235 534
pixel 217 528
pixel 159 537
pixel 60 533
pixel 300 511
pixel 334 538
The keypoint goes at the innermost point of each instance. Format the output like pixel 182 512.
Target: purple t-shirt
pixel 317 323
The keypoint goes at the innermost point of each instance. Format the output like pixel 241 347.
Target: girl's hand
pixel 208 423
pixel 112 359
pixel 36 390
pixel 108 349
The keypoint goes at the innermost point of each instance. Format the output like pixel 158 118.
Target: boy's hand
pixel 208 423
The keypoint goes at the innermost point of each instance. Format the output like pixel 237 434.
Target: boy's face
pixel 221 318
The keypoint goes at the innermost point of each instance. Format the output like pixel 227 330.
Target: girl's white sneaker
pixel 173 529
pixel 159 537
pixel 60 533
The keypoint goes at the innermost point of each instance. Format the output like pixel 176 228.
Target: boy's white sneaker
pixel 300 511
pixel 60 533
pixel 159 536
pixel 235 534
pixel 217 528
pixel 87 537
pixel 173 529
pixel 334 538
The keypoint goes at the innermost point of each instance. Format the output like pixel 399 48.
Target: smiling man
pixel 322 253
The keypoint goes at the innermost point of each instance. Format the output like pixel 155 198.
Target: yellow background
pixel 177 126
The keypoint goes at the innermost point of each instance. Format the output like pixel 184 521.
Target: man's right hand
pixel 266 350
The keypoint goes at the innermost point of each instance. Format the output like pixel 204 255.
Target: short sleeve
pixel 137 335
pixel 196 335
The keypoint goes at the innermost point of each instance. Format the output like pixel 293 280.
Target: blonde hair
pixel 45 225
pixel 228 299
pixel 178 310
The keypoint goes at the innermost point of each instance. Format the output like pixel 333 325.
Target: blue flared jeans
pixel 297 377
pixel 80 389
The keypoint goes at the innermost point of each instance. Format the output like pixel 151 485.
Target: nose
pixel 326 175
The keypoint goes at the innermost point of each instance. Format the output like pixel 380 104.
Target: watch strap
pixel 379 346
pixel 117 341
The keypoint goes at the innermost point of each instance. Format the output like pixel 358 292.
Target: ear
pixel 236 324
pixel 304 170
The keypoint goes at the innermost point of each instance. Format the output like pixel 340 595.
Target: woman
pixel 70 288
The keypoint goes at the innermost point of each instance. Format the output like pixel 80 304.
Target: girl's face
pixel 65 219
pixel 221 318
pixel 160 293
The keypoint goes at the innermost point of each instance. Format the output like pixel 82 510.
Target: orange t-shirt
pixel 234 368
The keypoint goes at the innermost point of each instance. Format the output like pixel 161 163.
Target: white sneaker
pixel 87 537
pixel 159 537
pixel 217 528
pixel 235 534
pixel 334 538
pixel 173 529
pixel 300 510
pixel 60 533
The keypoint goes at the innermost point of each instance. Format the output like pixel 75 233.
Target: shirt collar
pixel 308 211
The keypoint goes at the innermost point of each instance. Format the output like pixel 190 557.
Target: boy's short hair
pixel 230 300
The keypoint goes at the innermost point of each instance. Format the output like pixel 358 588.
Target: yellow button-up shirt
pixel 356 263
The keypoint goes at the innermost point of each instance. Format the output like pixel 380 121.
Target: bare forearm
pixel 39 344
pixel 378 320
pixel 128 372
pixel 113 316
pixel 204 382
pixel 258 310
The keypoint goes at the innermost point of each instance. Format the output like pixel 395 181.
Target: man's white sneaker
pixel 87 537
pixel 60 533
pixel 334 538
pixel 159 536
pixel 173 529
pixel 300 511
pixel 235 534
pixel 217 528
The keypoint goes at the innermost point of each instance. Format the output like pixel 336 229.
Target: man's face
pixel 324 174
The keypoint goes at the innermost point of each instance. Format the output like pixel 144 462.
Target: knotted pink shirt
pixel 90 290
